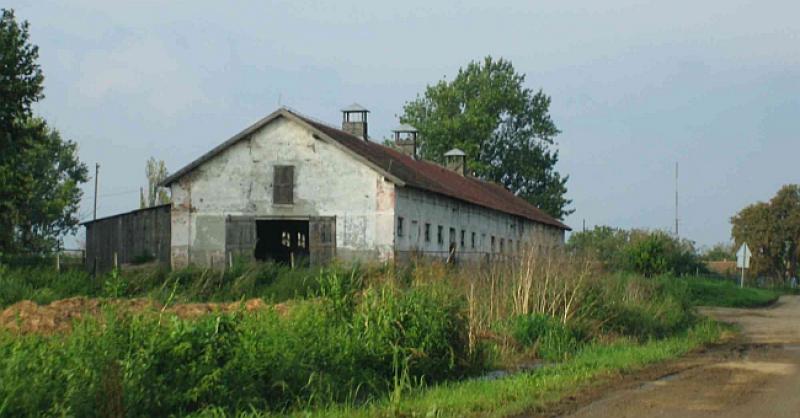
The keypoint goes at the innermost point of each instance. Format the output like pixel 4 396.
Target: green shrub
pixel 552 339
pixel 649 253
pixel 640 307
pixel 150 365
pixel 43 285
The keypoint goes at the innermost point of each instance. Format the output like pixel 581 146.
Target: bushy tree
pixel 772 231
pixel 504 127
pixel 720 252
pixel 39 171
pixel 604 243
pixel 641 251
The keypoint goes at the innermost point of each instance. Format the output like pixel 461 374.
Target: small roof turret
pixel 455 152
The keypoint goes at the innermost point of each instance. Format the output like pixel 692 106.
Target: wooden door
pixel 240 236
pixel 322 239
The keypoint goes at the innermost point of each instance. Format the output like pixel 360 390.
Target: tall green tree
pixel 39 171
pixel 772 231
pixel 504 127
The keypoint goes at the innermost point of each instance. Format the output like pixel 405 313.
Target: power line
pixel 120 193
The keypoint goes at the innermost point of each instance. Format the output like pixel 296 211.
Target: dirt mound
pixel 58 316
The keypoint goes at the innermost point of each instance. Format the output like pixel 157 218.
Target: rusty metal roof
pixel 419 174
pixel 435 178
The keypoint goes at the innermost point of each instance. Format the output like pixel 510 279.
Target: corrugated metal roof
pixel 130 212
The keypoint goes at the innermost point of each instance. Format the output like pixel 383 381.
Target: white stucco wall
pixel 238 181
pixel 418 207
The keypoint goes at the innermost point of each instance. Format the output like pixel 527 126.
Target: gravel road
pixel 756 376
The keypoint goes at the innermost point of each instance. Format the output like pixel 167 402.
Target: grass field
pixel 709 292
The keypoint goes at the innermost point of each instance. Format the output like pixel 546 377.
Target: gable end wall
pixel 238 182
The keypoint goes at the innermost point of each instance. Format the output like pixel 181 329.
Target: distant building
pixel 290 187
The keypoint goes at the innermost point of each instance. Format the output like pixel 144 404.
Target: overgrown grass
pixel 709 292
pixel 324 351
pixel 43 285
pixel 521 392
pixel 362 340
pixel 270 281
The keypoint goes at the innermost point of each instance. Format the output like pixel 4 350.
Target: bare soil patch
pixel 58 316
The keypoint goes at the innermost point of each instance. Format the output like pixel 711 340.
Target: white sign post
pixel 743 260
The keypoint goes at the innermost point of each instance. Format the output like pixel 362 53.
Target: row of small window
pixel 473 237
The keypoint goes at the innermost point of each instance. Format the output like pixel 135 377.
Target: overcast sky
pixel 636 86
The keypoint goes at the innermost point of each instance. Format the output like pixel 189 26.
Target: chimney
pixel 456 160
pixel 354 120
pixel 405 138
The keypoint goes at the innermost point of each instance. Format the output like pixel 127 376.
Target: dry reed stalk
pixel 472 319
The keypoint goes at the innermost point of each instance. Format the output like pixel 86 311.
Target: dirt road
pixel 758 376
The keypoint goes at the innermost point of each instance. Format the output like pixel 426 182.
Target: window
pixel 283 185
pixel 301 240
pixel 400 226
pixel 452 235
pixel 473 240
pixel 440 235
pixel 427 232
pixel 502 241
pixel 493 242
pixel 511 245
pixel 463 234
pixel 286 239
pixel 326 233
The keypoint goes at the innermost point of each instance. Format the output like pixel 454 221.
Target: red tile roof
pixel 435 178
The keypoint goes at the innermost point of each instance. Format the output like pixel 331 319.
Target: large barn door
pixel 240 236
pixel 322 239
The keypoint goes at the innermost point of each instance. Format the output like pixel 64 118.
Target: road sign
pixel 743 257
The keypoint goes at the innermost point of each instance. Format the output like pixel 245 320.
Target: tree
pixel 156 172
pixel 603 243
pixel 21 77
pixel 504 127
pixel 772 231
pixel 642 251
pixel 720 252
pixel 39 171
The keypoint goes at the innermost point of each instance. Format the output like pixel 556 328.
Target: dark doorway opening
pixel 282 241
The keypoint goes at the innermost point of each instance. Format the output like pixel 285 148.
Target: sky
pixel 636 87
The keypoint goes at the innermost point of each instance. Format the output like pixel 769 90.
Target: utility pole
pixel 94 217
pixel 96 173
pixel 676 200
